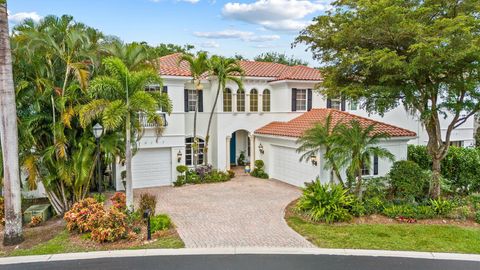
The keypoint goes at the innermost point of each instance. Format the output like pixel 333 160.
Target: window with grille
pixel 240 100
pixel 227 100
pixel 189 152
pixel 301 99
pixel 192 100
pixel 266 100
pixel 254 100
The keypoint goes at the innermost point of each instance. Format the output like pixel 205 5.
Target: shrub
pixel 373 205
pixel 112 226
pixel 460 166
pixel 99 197
pixel 462 213
pixel 241 159
pixel 119 200
pixel 475 200
pixel 180 181
pixel 477 216
pixel 35 221
pixel 424 212
pixel 2 210
pixel 201 171
pixel 191 177
pixel 408 181
pixel 147 202
pixel 375 187
pixel 258 170
pixel 182 169
pixel 357 209
pixel 325 202
pixel 231 173
pixel 84 215
pixel 216 176
pixel 160 223
pixel 404 210
pixel 441 207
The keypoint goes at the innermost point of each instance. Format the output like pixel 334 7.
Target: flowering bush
pixel 119 201
pixel 36 220
pixel 84 215
pixel 112 226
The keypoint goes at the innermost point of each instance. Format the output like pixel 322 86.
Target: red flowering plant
pixel 406 219
pixel 84 215
pixel 119 201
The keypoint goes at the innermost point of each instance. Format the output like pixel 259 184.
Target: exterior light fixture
pixel 314 160
pixel 98 132
pixel 179 156
pixel 260 148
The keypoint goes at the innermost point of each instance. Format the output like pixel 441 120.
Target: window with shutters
pixel 365 169
pixel 152 88
pixel 301 100
pixel 227 100
pixel 192 100
pixel 254 100
pixel 266 100
pixel 335 104
pixel 240 100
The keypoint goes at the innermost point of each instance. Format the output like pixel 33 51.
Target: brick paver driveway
pixel 244 212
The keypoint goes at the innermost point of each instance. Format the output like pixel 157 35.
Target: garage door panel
pixel 152 167
pixel 287 167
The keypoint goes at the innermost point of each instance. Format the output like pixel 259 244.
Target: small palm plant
pixel 121 99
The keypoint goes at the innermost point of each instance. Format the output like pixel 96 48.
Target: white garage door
pixel 152 168
pixel 287 167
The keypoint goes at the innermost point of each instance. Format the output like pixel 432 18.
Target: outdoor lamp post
pixel 146 215
pixel 98 132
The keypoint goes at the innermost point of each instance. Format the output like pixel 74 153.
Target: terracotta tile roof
pixel 297 126
pixel 168 66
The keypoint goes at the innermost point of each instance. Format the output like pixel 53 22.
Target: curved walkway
pixel 244 212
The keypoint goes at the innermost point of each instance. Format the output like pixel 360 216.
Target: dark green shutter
pixel 200 101
pixel 185 99
pixel 309 99
pixel 294 99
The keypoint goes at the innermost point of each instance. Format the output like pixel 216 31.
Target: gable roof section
pixel 168 66
pixel 297 126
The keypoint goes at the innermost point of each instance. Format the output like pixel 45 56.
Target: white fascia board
pixel 275 137
pixel 294 81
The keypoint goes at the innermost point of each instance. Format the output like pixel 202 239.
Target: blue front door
pixel 233 148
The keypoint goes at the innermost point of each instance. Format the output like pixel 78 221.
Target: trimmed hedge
pixel 461 166
pixel 408 181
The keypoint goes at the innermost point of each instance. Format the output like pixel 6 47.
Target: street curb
pixel 238 251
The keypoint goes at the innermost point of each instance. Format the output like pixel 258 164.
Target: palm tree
pixel 9 137
pixel 353 148
pixel 199 65
pixel 225 69
pixel 134 55
pixel 312 141
pixel 121 100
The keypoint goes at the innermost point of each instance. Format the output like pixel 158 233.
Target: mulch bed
pixel 380 219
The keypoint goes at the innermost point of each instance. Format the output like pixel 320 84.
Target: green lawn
pixel 62 244
pixel 413 237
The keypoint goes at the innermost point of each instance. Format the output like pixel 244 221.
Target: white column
pixel 260 102
pixel 228 152
pixel 252 151
pixel 247 102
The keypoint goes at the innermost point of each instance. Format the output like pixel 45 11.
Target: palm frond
pixel 114 114
pixel 91 111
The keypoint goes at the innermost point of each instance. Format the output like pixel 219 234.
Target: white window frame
pixel 301 103
pixel 189 151
pixel 192 100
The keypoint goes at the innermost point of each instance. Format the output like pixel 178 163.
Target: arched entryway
pixel 239 148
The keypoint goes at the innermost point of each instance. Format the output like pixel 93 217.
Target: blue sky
pixel 221 27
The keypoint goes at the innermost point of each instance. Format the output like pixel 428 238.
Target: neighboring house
pixel 272 92
pixel 278 143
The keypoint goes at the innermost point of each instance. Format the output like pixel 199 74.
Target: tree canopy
pixel 280 58
pixel 422 54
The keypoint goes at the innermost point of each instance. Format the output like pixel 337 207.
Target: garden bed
pixel 380 232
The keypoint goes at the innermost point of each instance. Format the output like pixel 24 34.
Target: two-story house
pixel 260 121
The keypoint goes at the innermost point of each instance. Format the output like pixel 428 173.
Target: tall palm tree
pixel 225 70
pixel 199 66
pixel 134 55
pixel 353 148
pixel 312 141
pixel 9 137
pixel 120 102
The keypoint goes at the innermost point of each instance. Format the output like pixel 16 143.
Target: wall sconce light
pixel 179 156
pixel 314 160
pixel 260 148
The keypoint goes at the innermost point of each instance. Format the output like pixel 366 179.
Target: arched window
pixel 254 100
pixel 266 100
pixel 240 100
pixel 189 153
pixel 227 100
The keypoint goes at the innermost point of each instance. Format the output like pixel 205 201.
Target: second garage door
pixel 287 167
pixel 152 168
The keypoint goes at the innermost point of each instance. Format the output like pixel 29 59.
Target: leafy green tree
pixel 354 147
pixel 13 233
pixel 280 58
pixel 316 138
pixel 225 70
pixel 121 103
pixel 422 54
pixel 199 66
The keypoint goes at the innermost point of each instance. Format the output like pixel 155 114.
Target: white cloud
pixel 279 15
pixel 21 16
pixel 235 34
pixel 209 44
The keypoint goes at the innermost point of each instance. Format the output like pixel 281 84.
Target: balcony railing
pixel 145 123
